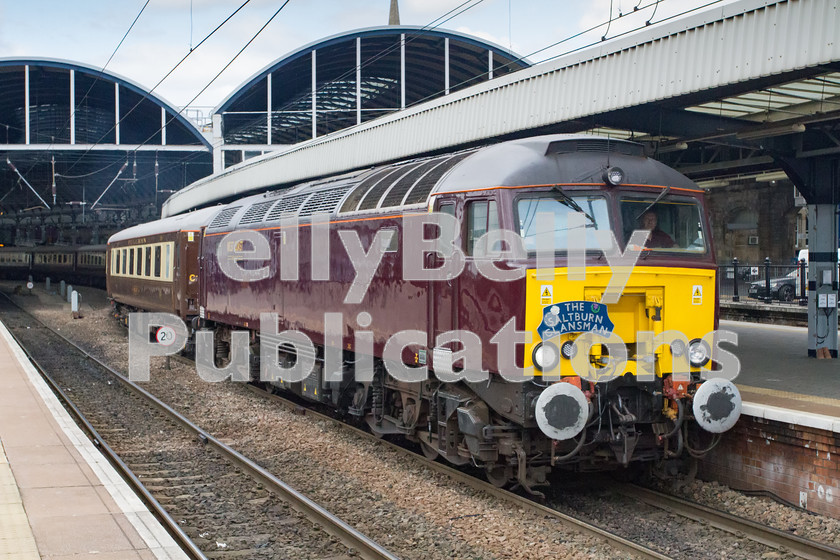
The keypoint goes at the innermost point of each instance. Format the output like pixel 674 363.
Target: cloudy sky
pixel 88 31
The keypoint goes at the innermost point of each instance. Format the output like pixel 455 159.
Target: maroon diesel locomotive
pixel 495 338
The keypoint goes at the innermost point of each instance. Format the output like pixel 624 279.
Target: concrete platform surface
pixel 60 499
pixel 778 381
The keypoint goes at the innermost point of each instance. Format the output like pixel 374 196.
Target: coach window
pixel 131 262
pixel 482 216
pixel 148 270
pixel 168 261
pixel 117 261
pixel 157 261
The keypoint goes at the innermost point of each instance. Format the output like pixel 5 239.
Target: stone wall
pixel 752 221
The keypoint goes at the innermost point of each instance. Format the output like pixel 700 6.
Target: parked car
pixel 782 289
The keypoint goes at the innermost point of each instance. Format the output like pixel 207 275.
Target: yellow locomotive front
pixel 624 322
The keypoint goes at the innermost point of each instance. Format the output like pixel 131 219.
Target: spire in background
pixel 394 15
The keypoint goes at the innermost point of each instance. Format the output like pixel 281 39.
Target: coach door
pixel 443 294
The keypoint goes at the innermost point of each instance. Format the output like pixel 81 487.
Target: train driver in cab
pixel 657 238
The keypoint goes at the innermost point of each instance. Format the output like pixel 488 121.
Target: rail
pixel 768 536
pixel 350 537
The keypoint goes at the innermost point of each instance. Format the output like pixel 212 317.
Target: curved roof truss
pixel 349 79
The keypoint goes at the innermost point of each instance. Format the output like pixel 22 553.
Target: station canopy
pixel 69 133
pixel 350 79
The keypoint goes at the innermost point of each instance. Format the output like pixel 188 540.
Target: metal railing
pixel 765 282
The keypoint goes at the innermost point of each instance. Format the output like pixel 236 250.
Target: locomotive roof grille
pixel 287 206
pixel 372 197
pixel 324 201
pixel 353 200
pixel 223 218
pixel 420 192
pixel 256 213
pixel 395 196
pixel 595 145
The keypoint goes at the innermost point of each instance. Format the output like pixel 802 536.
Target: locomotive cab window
pixel 482 216
pixel 528 208
pixel 674 223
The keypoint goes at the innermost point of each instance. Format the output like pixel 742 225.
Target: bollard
pixel 62 288
pixel 735 272
pixel 803 293
pixel 767 298
pixel 48 284
pixel 76 304
pixel 69 292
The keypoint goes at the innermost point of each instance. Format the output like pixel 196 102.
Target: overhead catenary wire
pixel 327 84
pixel 169 73
pixel 447 17
pixel 410 37
pixel 440 20
pixel 75 108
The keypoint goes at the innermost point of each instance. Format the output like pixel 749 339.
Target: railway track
pixel 226 505
pixel 741 528
pixel 780 540
pixel 784 543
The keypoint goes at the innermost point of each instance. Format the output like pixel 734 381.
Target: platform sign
pixel 574 317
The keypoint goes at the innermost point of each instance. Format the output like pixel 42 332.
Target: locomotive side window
pixel 674 222
pixel 482 216
pixel 560 206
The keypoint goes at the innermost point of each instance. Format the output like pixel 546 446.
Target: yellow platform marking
pixel 813 399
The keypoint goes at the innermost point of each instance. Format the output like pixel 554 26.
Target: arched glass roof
pixel 349 79
pixel 72 136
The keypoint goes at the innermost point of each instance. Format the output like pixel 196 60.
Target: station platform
pixel 60 499
pixel 778 380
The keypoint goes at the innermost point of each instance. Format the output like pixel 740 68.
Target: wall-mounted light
pixel 712 183
pixel 766 132
pixel 676 147
pixel 770 177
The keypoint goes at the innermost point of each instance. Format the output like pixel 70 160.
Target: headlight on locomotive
pixel 545 356
pixel 698 352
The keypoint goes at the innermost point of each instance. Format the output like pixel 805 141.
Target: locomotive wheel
pixel 497 476
pixel 428 451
